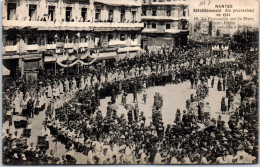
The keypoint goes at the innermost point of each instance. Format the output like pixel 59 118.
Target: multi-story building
pixel 165 22
pixel 38 32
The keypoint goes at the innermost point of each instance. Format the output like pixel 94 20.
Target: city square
pixel 172 102
pixel 125 82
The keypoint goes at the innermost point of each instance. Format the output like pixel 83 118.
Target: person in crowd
pixel 230 101
pixel 124 98
pixel 224 84
pixel 130 117
pixel 136 112
pixel 219 85
pixel 31 107
pixel 223 106
pixel 212 82
pixel 144 96
pixel 192 81
pixel 135 95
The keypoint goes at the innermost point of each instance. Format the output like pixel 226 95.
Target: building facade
pixel 36 32
pixel 165 23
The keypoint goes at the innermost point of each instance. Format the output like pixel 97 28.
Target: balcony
pixel 60 45
pixel 59 50
pixel 32 47
pixel 72 26
pixel 175 31
pixel 71 47
pixel 116 42
pixel 150 30
pixel 158 18
pixel 68 45
pixel 83 45
pixel 171 18
pixel 11 48
pixel 42 48
pixel 71 50
pixel 51 46
pixel 156 31
pixel 134 42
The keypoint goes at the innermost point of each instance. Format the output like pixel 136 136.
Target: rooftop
pixel 129 3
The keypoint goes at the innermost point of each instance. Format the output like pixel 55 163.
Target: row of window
pixel 111 15
pixel 11 14
pixel 167 11
pixel 181 25
pixel 154 25
pixel 53 38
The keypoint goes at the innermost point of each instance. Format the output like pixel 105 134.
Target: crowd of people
pixel 73 116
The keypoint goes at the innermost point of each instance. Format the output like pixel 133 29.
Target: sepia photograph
pixel 117 82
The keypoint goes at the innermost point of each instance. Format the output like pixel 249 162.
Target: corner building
pixel 38 32
pixel 165 23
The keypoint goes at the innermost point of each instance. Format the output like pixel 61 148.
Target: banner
pixel 59 61
pixel 92 61
pixel 67 65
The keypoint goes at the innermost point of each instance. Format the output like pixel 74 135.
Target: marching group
pixel 73 115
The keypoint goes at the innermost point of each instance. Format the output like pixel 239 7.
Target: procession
pixel 129 82
pixel 72 114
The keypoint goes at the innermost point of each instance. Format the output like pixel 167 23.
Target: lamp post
pixel 55 39
pixel 77 49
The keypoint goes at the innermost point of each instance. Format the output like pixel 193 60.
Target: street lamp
pixel 55 39
pixel 77 48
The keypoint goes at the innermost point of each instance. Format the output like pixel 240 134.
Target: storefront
pixel 31 65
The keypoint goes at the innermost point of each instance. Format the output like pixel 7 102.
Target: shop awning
pixel 5 71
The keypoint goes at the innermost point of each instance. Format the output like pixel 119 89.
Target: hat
pixel 15 155
pixel 23 157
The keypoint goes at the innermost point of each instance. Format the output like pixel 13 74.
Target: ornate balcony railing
pixel 51 46
pixel 32 47
pixel 73 26
pixel 10 48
